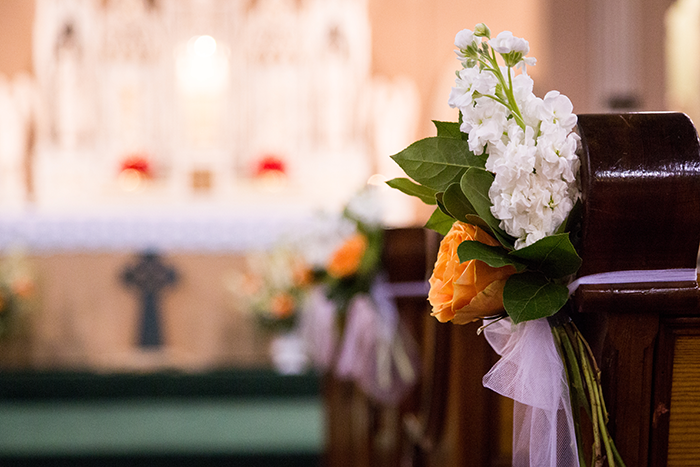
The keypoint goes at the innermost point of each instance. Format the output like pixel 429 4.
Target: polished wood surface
pixel 684 423
pixel 641 210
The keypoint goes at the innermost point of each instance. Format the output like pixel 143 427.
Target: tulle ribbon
pixel 376 351
pixel 531 373
pixel 318 328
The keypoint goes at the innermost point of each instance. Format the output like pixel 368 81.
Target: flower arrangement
pixel 504 180
pixel 17 291
pixel 354 264
pixel 351 325
pixel 272 287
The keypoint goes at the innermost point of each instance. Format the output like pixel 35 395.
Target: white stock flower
pixel 486 121
pixel 505 43
pixel 557 108
pixel 469 81
pixel 533 158
pixel 526 62
pixel 463 40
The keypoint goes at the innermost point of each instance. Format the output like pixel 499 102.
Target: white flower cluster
pixel 529 141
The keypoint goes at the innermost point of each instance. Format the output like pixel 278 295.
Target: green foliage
pixel 458 206
pixel 440 222
pixel 475 184
pixel 494 256
pixel 531 295
pixel 437 162
pixel 554 256
pixel 448 129
pixel 409 187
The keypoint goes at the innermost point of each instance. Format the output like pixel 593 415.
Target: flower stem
pixel 597 451
pixel 596 397
pixel 490 63
pixel 576 391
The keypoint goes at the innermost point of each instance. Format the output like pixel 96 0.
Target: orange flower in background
pixel 23 287
pixel 302 275
pixel 466 292
pixel 282 305
pixel 346 259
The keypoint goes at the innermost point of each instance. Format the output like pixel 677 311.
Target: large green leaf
pixel 448 129
pixel 409 187
pixel 494 256
pixel 554 256
pixel 458 206
pixel 475 184
pixel 440 222
pixel 530 295
pixel 457 203
pixel 437 162
pixel 440 204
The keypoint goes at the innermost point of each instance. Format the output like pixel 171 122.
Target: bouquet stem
pixel 585 391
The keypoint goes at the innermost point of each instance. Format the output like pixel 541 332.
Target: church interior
pixel 152 150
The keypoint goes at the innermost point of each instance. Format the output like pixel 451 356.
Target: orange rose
pixel 346 259
pixel 466 292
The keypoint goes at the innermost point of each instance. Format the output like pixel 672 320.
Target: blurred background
pixel 203 131
pixel 259 103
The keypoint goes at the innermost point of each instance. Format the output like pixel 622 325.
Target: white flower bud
pixel 481 30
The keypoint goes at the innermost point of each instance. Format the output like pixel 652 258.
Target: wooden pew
pixel 641 211
pixel 641 198
pixel 450 418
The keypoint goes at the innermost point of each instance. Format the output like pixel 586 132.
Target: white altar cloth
pixel 160 230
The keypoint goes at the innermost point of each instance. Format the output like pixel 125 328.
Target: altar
pixel 86 317
pixel 196 131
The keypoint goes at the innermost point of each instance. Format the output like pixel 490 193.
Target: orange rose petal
pixel 488 302
pixel 465 292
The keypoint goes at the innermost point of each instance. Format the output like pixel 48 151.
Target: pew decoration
pixel 505 183
pixel 273 286
pixel 350 325
pixel 17 292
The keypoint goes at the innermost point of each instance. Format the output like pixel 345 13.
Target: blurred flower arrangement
pixel 17 291
pixel 504 180
pixel 326 294
pixel 273 286
pixel 351 325
pixel 352 267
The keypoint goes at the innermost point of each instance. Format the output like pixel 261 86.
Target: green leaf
pixel 530 295
pixel 409 187
pixel 441 205
pixel 437 162
pixel 554 256
pixel 448 129
pixel 453 203
pixel 475 184
pixel 494 256
pixel 572 219
pixel 440 222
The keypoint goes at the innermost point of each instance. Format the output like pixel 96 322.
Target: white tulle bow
pixel 531 373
